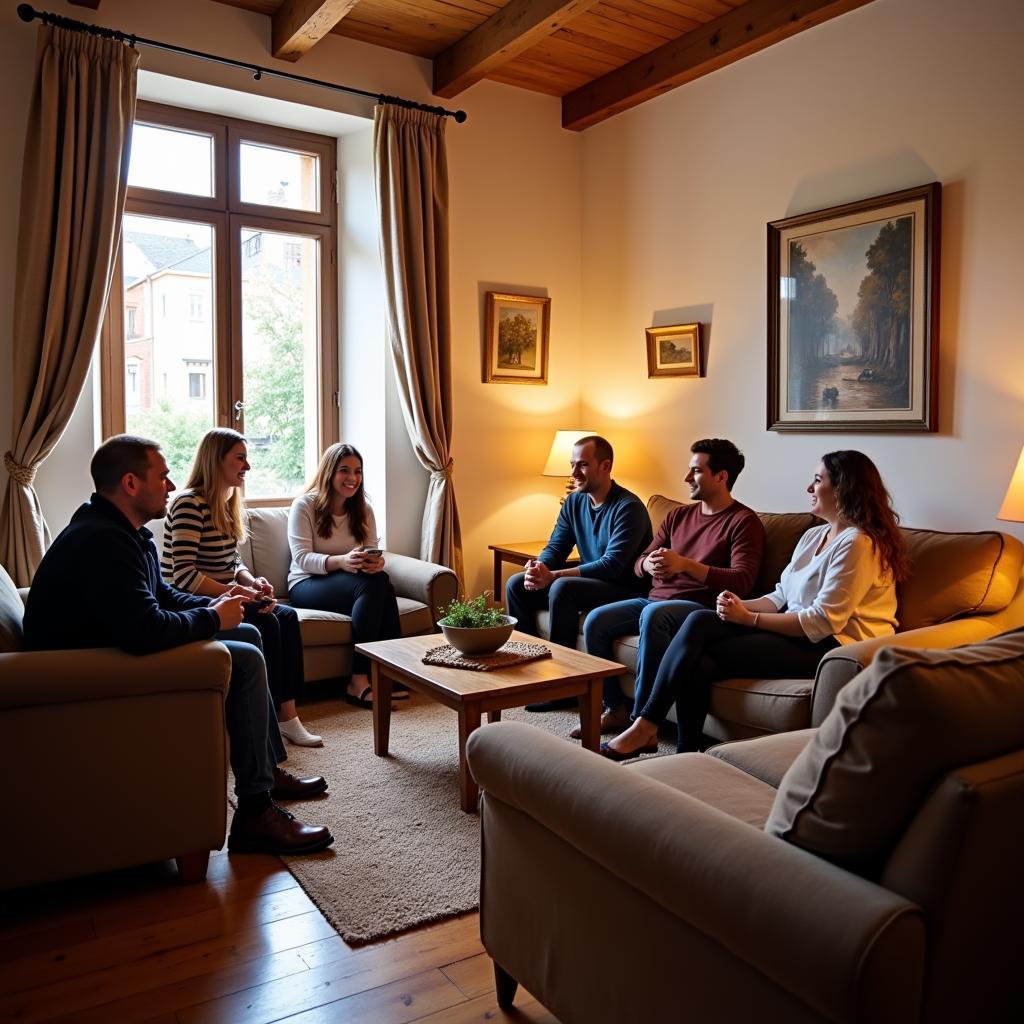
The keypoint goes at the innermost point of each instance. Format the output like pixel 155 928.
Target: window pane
pixel 171 160
pixel 168 345
pixel 280 342
pixel 279 177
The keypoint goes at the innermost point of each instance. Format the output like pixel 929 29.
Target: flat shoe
pixel 360 701
pixel 615 755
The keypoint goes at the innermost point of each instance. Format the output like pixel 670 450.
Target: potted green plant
pixel 472 628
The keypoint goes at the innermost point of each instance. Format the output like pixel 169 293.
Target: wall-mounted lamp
pixel 561 455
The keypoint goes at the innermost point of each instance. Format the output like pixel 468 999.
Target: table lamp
pixel 561 455
pixel 1012 509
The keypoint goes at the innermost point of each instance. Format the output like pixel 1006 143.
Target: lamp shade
pixel 561 452
pixel 1012 508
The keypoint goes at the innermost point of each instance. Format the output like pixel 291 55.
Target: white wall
pixel 677 194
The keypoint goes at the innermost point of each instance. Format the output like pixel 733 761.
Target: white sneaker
pixel 295 732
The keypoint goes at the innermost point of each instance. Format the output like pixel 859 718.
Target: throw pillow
pixel 895 730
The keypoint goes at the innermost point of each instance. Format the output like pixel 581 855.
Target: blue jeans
pixel 706 649
pixel 657 622
pixel 255 740
pixel 565 599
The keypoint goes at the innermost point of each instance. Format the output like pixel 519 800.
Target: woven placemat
pixel 513 653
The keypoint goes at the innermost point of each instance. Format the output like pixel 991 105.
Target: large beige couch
pixel 866 871
pixel 963 587
pixel 422 587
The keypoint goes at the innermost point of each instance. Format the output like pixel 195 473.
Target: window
pixel 228 294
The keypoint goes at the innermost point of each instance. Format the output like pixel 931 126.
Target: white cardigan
pixel 840 591
pixel 309 550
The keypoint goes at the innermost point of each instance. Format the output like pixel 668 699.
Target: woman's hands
pixel 356 560
pixel 731 609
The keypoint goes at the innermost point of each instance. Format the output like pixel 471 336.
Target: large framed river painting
pixel 853 303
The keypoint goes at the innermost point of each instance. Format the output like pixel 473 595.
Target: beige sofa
pixel 963 587
pixel 422 588
pixel 122 760
pixel 866 871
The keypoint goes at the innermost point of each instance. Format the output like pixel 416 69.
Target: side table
pixel 519 553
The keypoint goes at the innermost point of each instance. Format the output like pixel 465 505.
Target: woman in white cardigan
pixel 337 564
pixel 839 587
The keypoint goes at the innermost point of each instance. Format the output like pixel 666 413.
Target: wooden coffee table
pixel 567 673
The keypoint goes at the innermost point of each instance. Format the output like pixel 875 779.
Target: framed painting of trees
pixel 853 304
pixel 516 342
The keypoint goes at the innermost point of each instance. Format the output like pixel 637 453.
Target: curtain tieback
pixel 23 475
pixel 443 474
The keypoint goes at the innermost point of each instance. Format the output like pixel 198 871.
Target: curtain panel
pixel 74 180
pixel 411 166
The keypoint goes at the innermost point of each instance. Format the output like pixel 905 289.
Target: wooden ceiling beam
pixel 743 31
pixel 506 34
pixel 299 25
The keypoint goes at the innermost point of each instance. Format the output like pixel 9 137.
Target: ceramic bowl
pixel 483 640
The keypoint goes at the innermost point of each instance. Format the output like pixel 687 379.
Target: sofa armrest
pixel 430 584
pixel 34 678
pixel 768 903
pixel 841 664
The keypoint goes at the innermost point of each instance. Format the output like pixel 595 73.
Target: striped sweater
pixel 193 548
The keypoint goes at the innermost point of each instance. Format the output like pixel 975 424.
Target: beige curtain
pixel 72 194
pixel 412 192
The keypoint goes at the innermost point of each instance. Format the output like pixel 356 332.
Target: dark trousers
pixel 706 649
pixel 254 739
pixel 282 649
pixel 566 599
pixel 368 597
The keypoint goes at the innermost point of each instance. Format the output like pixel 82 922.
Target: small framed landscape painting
pixel 673 351
pixel 516 342
pixel 853 315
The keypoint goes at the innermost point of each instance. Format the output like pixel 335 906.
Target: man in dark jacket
pixel 99 585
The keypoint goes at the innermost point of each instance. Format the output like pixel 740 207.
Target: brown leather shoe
pixel 276 831
pixel 291 787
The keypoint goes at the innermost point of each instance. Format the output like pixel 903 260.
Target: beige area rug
pixel 404 853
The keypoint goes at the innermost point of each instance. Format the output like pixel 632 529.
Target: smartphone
pixel 258 602
pixel 375 552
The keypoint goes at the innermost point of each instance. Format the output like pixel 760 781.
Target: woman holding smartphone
pixel 337 564
pixel 200 555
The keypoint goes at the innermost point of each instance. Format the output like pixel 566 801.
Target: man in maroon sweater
pixel 701 549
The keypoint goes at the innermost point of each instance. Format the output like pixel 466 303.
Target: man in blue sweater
pixel 609 527
pixel 99 585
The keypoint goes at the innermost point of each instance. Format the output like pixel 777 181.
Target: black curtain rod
pixel 28 13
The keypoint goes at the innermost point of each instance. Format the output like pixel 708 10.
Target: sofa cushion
pixel 767 758
pixel 766 705
pixel 781 532
pixel 325 629
pixel 956 574
pixel 713 782
pixel 265 549
pixel 12 636
pixel 895 730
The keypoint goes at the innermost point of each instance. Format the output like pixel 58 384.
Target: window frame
pixel 226 215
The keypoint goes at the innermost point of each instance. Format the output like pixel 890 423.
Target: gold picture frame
pixel 516 338
pixel 674 351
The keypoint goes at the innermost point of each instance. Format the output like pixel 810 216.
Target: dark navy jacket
pixel 99 585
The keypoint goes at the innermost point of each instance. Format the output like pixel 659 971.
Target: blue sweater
pixel 99 585
pixel 608 538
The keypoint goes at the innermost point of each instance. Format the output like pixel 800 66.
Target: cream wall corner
pixel 677 194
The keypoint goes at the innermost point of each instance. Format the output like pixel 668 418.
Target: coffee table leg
pixel 590 715
pixel 381 685
pixel 469 719
pixel 494 716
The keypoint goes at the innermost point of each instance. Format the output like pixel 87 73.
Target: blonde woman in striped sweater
pixel 200 555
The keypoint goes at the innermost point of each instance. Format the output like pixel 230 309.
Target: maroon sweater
pixel 731 542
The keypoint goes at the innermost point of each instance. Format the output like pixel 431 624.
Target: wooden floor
pixel 244 947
